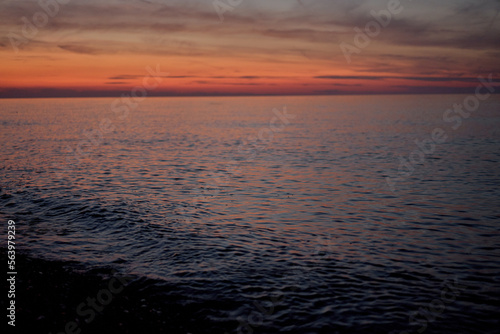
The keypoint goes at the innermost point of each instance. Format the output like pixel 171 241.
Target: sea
pixel 304 214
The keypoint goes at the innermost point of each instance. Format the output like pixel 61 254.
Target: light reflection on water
pixel 309 207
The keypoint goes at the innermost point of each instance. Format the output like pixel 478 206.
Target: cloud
pixel 240 83
pixel 116 82
pixel 328 91
pixel 80 49
pixel 249 77
pixel 246 77
pixel 125 77
pixel 311 35
pixel 432 28
pixel 347 85
pixel 430 79
pixel 348 77
pixel 445 42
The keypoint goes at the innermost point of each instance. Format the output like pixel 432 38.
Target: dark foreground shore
pixel 65 297
pixel 62 297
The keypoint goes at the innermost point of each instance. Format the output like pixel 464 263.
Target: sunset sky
pixel 103 47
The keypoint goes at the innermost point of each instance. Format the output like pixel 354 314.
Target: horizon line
pixel 241 95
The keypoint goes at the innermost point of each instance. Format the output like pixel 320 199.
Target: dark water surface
pixel 264 223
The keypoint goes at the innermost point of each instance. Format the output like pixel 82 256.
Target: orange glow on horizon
pixel 95 53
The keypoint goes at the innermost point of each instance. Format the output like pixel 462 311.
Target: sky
pixel 69 48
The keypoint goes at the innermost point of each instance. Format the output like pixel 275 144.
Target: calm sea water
pixel 325 220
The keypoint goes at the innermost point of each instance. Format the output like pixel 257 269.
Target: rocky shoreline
pixel 61 297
